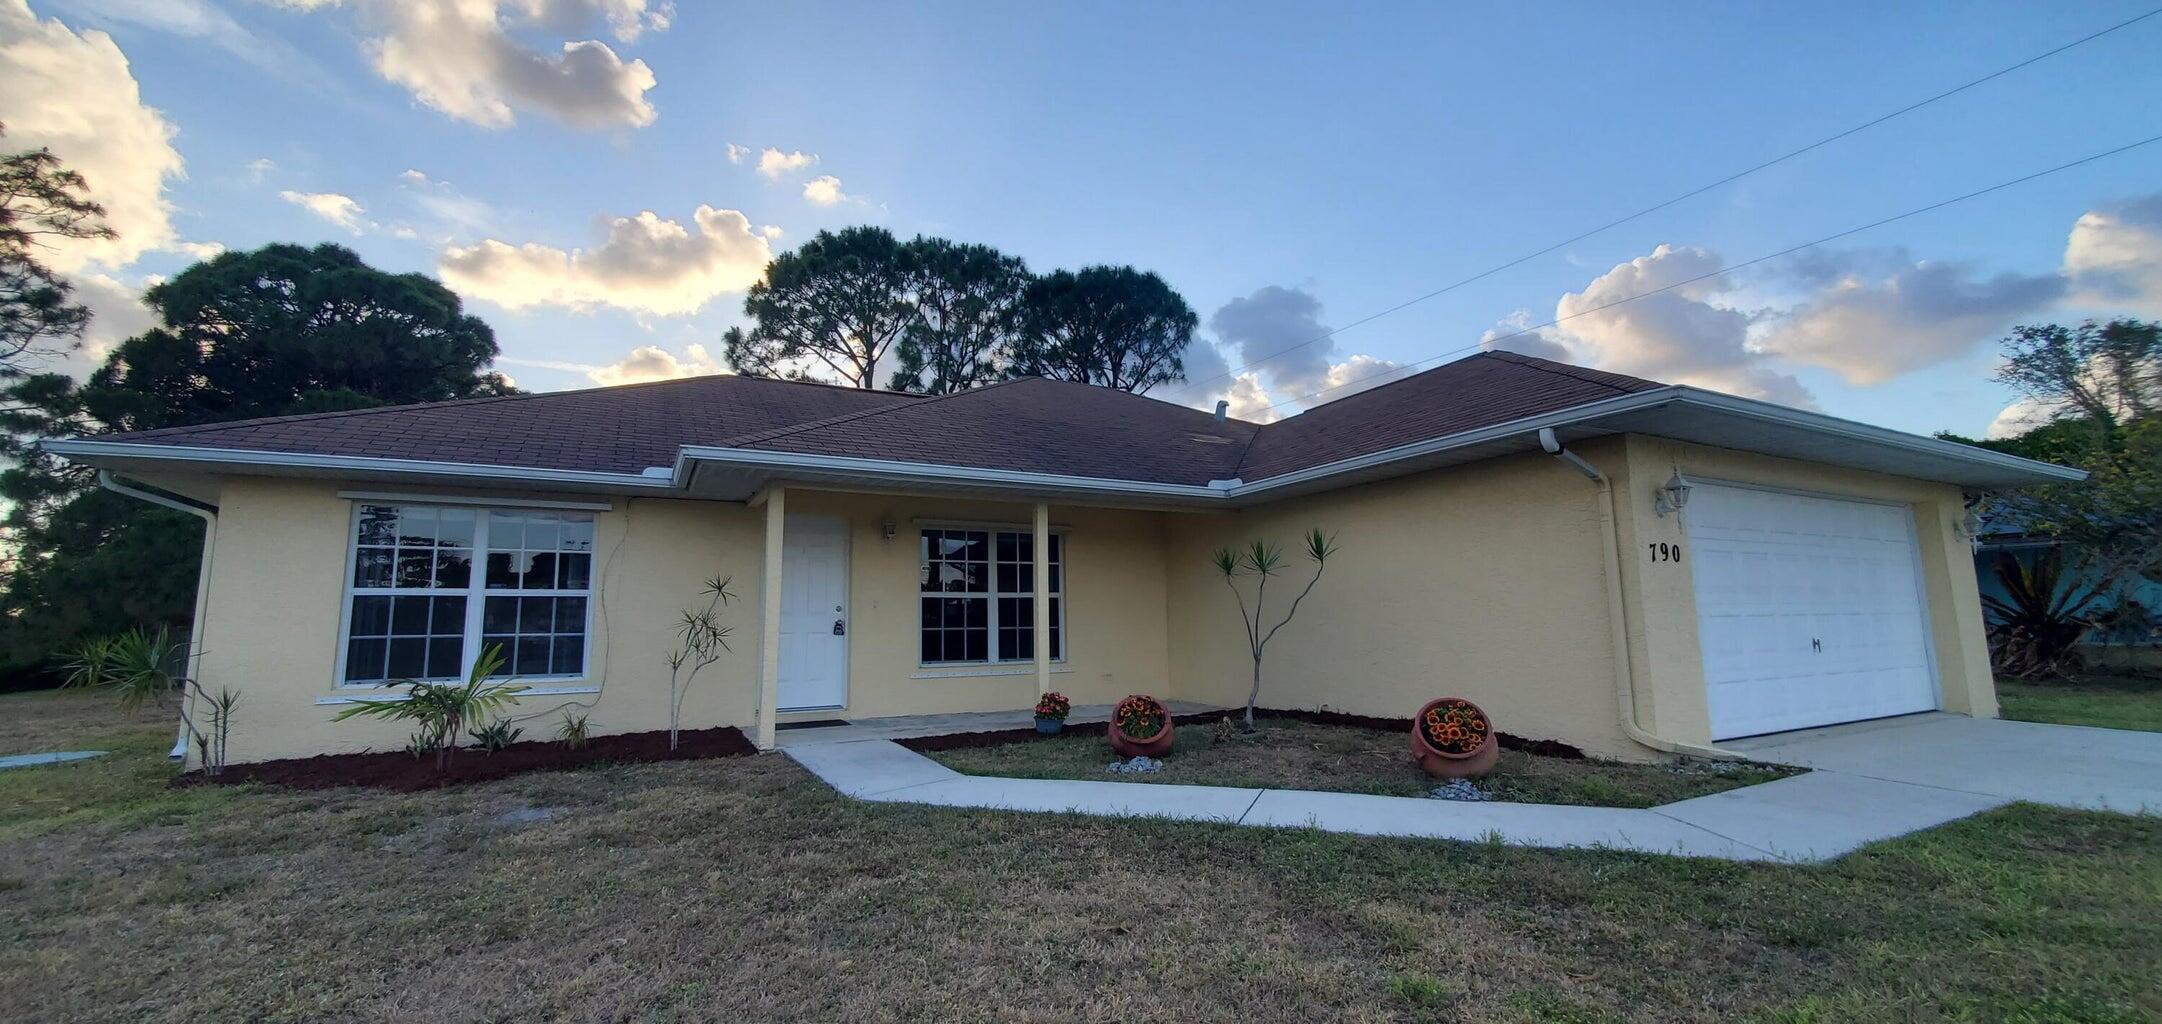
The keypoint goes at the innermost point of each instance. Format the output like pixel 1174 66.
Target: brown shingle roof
pixel 1028 425
pixel 621 429
pixel 1489 388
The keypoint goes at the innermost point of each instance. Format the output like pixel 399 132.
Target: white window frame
pixel 991 622
pixel 476 591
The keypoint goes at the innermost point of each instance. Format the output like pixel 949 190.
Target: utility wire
pixel 1789 251
pixel 1691 194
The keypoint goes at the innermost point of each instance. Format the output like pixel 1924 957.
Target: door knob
pixel 840 627
pixel 1814 643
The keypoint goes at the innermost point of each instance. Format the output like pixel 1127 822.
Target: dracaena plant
pixel 441 710
pixel 701 639
pixel 1261 561
pixel 144 667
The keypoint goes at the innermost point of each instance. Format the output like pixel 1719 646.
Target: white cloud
pixel 774 164
pixel 260 168
pixel 1515 333
pixel 205 21
pixel 461 58
pixel 2019 417
pixel 2114 256
pixel 199 250
pixel 646 264
pixel 1680 335
pixel 825 190
pixel 1884 315
pixel 737 153
pixel 1278 333
pixel 338 209
pixel 652 362
pixel 75 95
pixel 453 213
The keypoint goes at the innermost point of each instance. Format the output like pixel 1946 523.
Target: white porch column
pixel 769 622
pixel 1042 598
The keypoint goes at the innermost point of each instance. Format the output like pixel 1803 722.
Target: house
pixel 1631 567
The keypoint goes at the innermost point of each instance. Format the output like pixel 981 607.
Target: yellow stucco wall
pixel 276 595
pixel 1481 581
pixel 1115 623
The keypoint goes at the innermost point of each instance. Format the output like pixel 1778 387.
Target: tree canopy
pixel 954 316
pixel 970 302
pixel 39 200
pixel 281 329
pixel 840 301
pixel 2100 384
pixel 1112 326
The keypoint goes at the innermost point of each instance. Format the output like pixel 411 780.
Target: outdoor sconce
pixel 1673 496
pixel 888 529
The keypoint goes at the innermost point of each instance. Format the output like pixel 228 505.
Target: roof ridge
pixel 484 399
pixel 1559 369
pixel 774 433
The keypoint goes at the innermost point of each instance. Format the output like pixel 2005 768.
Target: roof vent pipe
pixel 1222 408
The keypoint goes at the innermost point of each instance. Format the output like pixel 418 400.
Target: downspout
pixel 209 516
pixel 1617 612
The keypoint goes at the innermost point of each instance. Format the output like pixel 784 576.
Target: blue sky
pixel 1289 168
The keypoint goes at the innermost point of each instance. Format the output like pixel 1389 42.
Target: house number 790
pixel 1665 552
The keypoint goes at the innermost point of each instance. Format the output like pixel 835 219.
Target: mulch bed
pixel 1001 737
pixel 402 772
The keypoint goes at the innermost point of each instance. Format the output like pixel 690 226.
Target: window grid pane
pixel 415 573
pixel 1000 626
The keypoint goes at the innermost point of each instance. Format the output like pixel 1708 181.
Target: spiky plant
pixel 1262 561
pixel 442 709
pixel 2034 629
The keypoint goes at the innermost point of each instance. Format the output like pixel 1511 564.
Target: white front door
pixel 814 614
pixel 1809 610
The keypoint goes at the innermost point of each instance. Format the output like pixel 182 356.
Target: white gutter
pixel 209 516
pixel 1617 613
pixel 678 477
pixel 349 463
pixel 1645 400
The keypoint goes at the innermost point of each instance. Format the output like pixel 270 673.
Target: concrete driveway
pixel 2064 765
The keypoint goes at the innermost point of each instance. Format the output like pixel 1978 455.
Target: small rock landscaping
pixel 1294 754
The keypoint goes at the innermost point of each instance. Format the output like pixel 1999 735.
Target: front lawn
pixel 2105 701
pixel 1301 755
pixel 745 890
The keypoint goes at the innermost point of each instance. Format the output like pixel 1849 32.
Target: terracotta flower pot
pixel 1156 744
pixel 1443 764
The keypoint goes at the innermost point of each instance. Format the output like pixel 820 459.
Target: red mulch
pixel 1001 737
pixel 402 772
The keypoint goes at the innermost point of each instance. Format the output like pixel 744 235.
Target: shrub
pixel 496 735
pixel 442 709
pixel 573 730
pixel 2034 630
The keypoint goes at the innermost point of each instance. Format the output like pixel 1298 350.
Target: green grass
pixel 2104 701
pixel 1300 755
pixel 744 890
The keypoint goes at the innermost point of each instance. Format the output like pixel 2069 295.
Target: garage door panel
pixel 1809 610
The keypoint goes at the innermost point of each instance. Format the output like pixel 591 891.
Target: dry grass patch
pixel 744 890
pixel 1292 754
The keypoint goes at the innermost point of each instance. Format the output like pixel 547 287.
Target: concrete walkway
pixel 57 757
pixel 1871 781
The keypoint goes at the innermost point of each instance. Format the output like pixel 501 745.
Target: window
pixel 978 596
pixel 415 609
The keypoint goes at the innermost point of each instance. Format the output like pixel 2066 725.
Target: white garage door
pixel 1809 610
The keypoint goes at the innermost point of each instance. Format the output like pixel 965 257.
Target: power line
pixel 1691 194
pixel 1790 250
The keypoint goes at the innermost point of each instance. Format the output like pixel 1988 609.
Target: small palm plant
pixel 1263 561
pixel 144 667
pixel 442 709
